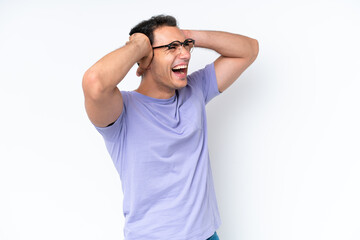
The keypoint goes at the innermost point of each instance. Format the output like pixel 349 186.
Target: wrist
pixel 136 49
pixel 187 33
pixel 142 47
pixel 201 37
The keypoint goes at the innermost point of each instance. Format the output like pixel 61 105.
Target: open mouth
pixel 180 71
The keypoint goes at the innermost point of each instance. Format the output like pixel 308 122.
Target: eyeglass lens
pixel 188 45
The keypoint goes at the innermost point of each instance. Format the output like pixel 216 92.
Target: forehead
pixel 166 34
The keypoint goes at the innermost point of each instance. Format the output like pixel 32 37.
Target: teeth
pixel 180 67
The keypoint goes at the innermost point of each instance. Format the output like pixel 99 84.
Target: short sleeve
pixel 112 133
pixel 205 79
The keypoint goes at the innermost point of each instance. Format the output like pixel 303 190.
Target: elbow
pixel 91 84
pixel 253 51
pixel 255 48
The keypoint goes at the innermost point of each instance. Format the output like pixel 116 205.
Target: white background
pixel 284 139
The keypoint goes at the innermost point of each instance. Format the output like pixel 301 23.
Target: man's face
pixel 169 67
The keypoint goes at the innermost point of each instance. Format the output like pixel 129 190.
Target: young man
pixel 157 134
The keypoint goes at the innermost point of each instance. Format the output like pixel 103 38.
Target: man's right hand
pixel 143 44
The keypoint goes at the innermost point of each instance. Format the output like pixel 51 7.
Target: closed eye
pixel 174 45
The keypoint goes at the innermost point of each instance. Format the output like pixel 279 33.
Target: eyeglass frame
pixel 177 41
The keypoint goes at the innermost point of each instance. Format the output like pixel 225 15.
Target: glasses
pixel 188 44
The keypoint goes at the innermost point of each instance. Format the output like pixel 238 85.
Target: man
pixel 156 134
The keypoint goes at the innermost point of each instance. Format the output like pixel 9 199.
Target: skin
pixel 159 81
pixel 103 100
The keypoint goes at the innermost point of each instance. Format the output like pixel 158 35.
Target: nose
pixel 184 53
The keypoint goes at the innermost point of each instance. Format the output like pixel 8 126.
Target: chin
pixel 181 83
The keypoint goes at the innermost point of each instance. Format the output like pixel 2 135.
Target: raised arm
pixel 237 53
pixel 103 100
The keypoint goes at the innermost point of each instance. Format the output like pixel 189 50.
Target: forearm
pixel 108 72
pixel 224 43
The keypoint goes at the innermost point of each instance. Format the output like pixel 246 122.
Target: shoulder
pixel 207 71
pixel 205 80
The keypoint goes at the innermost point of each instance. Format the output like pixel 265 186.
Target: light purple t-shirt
pixel 160 150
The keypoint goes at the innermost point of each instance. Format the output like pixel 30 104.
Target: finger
pixel 148 61
pixel 185 32
pixel 140 71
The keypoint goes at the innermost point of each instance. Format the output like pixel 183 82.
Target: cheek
pixel 163 63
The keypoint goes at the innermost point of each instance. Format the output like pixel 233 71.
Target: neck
pixel 151 89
